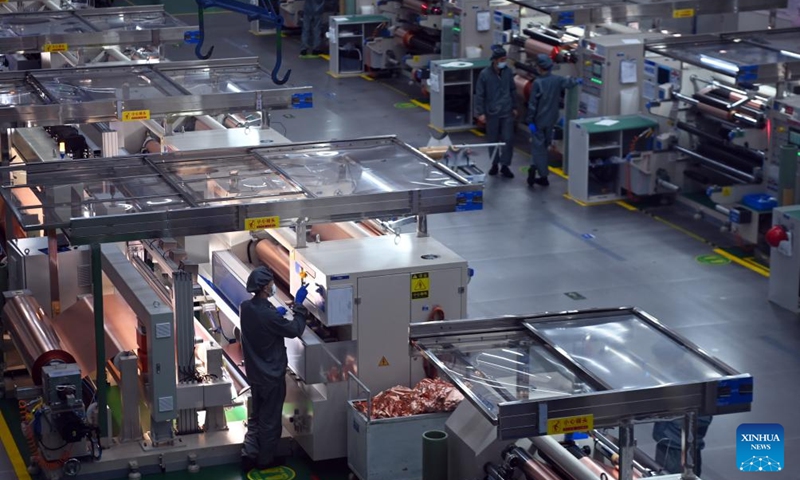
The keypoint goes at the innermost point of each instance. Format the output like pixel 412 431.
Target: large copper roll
pixel 75 327
pixel 32 334
pixel 524 86
pixel 713 111
pixel 535 47
pixel 275 257
pixel 330 231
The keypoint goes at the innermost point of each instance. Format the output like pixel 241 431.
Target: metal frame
pixel 773 39
pixel 773 72
pixel 610 408
pixel 94 37
pixel 49 112
pixel 596 12
pixel 199 220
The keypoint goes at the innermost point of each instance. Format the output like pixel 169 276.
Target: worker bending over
pixel 495 106
pixel 263 330
pixel 543 114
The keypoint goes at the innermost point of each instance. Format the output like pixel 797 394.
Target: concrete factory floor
pixel 530 248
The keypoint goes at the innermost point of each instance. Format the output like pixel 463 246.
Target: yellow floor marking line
pixel 12 451
pixel 733 258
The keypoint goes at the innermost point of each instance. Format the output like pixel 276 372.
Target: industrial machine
pixel 229 89
pixel 530 379
pixel 718 98
pixel 72 38
pixel 162 294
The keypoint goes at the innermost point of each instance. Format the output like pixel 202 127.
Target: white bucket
pixel 367 9
pixel 474 52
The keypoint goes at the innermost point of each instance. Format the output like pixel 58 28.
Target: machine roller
pixel 32 334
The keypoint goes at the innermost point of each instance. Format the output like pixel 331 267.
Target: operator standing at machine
pixel 543 113
pixel 312 27
pixel 263 330
pixel 495 105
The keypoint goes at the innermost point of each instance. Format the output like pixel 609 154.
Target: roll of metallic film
pixel 434 455
pixel 32 334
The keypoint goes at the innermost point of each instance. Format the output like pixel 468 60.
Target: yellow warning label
pixel 261 223
pixel 727 191
pixel 55 47
pixel 582 423
pixel 420 285
pixel 135 115
pixel 683 13
pixel 383 362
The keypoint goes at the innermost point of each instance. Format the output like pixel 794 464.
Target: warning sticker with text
pixel 420 285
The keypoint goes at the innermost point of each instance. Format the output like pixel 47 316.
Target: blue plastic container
pixel 760 202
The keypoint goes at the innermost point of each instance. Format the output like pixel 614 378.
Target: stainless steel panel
pixel 595 353
pixel 129 26
pixel 140 197
pixel 625 352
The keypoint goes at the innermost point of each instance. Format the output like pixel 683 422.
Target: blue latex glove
pixel 579 81
pixel 282 310
pixel 532 127
pixel 301 295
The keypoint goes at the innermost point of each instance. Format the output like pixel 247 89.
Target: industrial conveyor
pixel 534 376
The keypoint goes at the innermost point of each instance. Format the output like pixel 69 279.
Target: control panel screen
pixel 794 136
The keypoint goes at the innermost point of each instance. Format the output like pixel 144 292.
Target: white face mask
pixel 273 291
pixel 501 65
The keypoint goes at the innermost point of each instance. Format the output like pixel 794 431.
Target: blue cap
pixel 498 52
pixel 258 279
pixel 544 62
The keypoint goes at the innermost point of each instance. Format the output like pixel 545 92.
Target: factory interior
pixel 462 325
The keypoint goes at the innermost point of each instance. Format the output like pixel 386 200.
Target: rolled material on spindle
pixel 32 334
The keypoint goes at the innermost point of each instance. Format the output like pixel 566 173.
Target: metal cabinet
pixel 452 86
pixel 347 36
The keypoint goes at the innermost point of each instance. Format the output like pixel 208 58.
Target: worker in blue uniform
pixel 263 331
pixel 669 444
pixel 312 27
pixel 495 107
pixel 543 114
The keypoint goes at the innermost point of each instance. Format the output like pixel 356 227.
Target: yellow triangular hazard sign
pixel 383 362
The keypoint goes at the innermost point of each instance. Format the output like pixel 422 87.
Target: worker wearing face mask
pixel 312 27
pixel 263 330
pixel 495 106
pixel 543 114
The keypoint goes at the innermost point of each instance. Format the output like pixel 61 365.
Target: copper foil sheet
pixel 428 396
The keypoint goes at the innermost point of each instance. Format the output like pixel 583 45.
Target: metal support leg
pixel 689 446
pixel 773 19
pixel 627 445
pixel 301 231
pixel 52 257
pixel 100 339
pixel 265 120
pixel 422 225
pixel 129 389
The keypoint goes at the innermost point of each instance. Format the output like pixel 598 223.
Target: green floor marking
pixel 712 259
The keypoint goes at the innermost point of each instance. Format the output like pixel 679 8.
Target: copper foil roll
pixel 536 470
pixel 713 111
pixel 523 86
pixel 535 47
pixel 275 257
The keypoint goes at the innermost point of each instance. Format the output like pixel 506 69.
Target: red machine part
pixel 141 348
pixel 776 235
